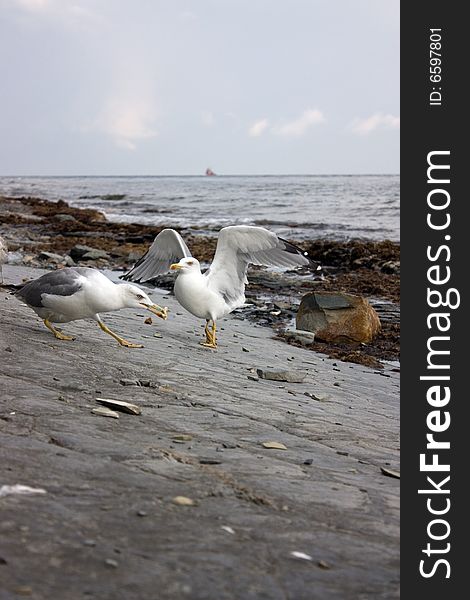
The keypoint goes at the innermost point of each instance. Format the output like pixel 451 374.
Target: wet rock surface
pixel 317 520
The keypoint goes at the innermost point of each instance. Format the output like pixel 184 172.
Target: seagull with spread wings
pixel 221 289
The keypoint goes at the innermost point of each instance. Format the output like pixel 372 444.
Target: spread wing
pixel 168 247
pixel 240 245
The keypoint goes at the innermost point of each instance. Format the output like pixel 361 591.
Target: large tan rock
pixel 338 317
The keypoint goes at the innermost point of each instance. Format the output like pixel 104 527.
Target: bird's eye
pixel 190 262
pixel 140 297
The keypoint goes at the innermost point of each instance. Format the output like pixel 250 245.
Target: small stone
pixel 105 412
pixel 183 437
pixel 65 217
pixel 245 350
pixel 147 383
pixel 23 590
pixel 323 564
pixel 95 254
pixel 183 501
pixel 141 513
pixel 157 335
pixel 90 543
pixel 280 375
pixel 253 378
pixel 128 382
pixel 110 562
pixel 308 461
pixel 51 257
pixel 274 445
pixel 126 407
pixel 148 321
pixel 209 461
pixel 8 349
pixel 342 452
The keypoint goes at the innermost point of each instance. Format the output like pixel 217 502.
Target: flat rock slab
pixel 282 375
pixel 110 483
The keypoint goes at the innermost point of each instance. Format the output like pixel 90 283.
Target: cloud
pixel 70 12
pixel 375 121
pixel 299 126
pixel 258 128
pixel 127 121
pixel 208 118
pixel 33 5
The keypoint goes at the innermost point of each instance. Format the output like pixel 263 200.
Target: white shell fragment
pixel 301 555
pixel 105 412
pixel 126 407
pixel 9 490
pixel 274 445
pixel 228 529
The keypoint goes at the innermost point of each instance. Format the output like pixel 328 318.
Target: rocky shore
pixel 257 471
pixel 48 234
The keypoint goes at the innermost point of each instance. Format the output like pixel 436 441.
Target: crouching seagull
pixel 82 293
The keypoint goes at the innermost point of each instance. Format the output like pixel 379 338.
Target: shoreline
pixel 34 227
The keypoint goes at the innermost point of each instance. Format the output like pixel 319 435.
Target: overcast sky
pixel 135 87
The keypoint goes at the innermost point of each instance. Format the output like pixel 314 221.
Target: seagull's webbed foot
pixel 118 338
pixel 211 341
pixel 58 334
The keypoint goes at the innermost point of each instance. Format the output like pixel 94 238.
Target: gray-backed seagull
pixel 82 293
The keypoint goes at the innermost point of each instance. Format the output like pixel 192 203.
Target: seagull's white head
pixel 134 297
pixel 187 265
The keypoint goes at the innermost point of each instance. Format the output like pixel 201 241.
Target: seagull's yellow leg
pixel 121 340
pixel 58 334
pixel 211 341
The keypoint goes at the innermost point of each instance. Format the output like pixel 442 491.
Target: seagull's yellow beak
pixel 175 266
pixel 157 310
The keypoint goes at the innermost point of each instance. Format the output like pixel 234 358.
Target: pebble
pixel 23 590
pixel 111 563
pixel 148 321
pixel 274 445
pixel 308 461
pixel 141 513
pixel 253 377
pixel 129 382
pixel 90 543
pixel 210 461
pixel 181 438
pixel 183 501
pixel 280 375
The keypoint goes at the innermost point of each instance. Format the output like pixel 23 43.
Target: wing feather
pixel 168 247
pixel 240 245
